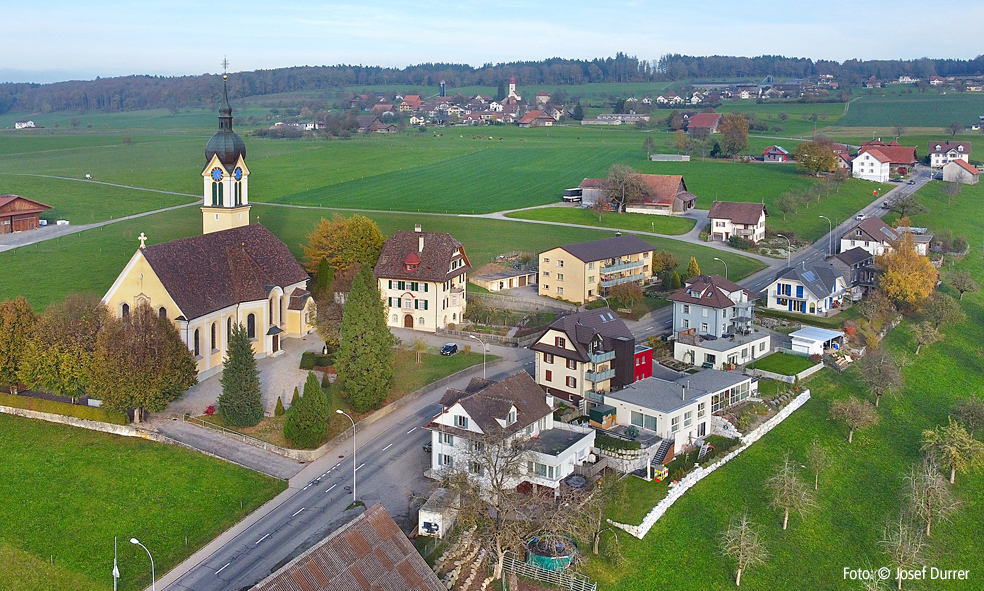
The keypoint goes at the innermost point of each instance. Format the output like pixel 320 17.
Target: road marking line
pixel 336 465
pixel 261 539
pixel 331 487
pixel 411 430
pixel 360 467
pixel 387 447
pixel 298 511
pixel 223 568
pixel 306 487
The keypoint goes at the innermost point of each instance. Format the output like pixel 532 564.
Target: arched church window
pixel 220 195
pixel 197 341
pixel 228 329
pixel 125 310
pixel 162 312
pixel 251 326
pixel 215 193
pixel 239 193
pixel 214 340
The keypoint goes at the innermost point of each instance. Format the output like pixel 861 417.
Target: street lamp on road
pixel 725 266
pixel 153 575
pixel 789 249
pixel 830 236
pixel 484 349
pixel 342 412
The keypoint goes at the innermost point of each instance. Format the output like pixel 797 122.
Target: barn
pixel 19 213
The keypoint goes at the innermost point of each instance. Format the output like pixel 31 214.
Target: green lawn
pixel 633 222
pixel 781 363
pixel 885 107
pixel 67 492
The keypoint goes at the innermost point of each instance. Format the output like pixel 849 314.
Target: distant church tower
pixel 512 89
pixel 443 90
pixel 225 176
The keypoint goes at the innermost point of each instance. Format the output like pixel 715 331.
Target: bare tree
pixel 951 189
pixel 649 145
pixel 969 412
pixel 905 205
pixel 582 514
pixel 622 186
pixel 419 346
pixel 899 130
pixel 903 543
pixel 880 373
pixel 877 308
pixel 818 460
pixel 942 310
pixel 929 496
pixel 962 282
pixel 855 414
pixel 743 542
pixel 951 445
pixel 954 128
pixel 925 334
pixel 789 493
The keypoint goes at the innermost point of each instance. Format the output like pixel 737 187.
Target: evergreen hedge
pixel 88 413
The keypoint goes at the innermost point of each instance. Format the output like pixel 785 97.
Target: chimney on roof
pixel 420 238
pixel 416 227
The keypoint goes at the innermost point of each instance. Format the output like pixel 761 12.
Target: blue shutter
pixel 799 291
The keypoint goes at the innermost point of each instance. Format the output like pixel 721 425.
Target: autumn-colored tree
pixel 663 261
pixel 816 157
pixel 140 362
pixel 693 269
pixel 952 446
pixel 734 132
pixel 59 353
pixel 344 242
pixel 17 321
pixel 907 278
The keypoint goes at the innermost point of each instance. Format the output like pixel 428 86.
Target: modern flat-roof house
pixel 712 321
pixel 585 354
pixel 422 279
pixel 745 220
pixel 20 213
pixel 814 290
pixel 580 272
pixel 506 278
pixel 941 153
pixel 512 411
pixel 679 411
pixel 811 340
pixel 956 171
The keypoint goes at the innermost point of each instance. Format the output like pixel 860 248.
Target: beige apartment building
pixel 580 272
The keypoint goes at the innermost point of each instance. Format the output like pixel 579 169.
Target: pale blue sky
pixel 82 39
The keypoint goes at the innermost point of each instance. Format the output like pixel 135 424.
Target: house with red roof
pixel 956 171
pixel 411 103
pixel 663 194
pixel 775 154
pixel 901 158
pixel 872 165
pixel 536 118
pixel 708 121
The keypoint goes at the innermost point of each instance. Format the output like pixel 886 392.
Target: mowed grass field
pixel 636 222
pixel 863 487
pixel 67 492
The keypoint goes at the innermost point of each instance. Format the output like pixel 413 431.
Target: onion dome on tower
pixel 225 143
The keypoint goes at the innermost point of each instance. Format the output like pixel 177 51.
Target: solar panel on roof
pixel 810 276
pixel 888 232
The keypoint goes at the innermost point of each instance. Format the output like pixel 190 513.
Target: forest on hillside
pixel 130 93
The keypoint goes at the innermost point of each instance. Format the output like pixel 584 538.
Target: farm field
pixel 633 222
pixel 69 491
pixel 885 108
pixel 863 487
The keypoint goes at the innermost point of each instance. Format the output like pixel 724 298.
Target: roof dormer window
pixel 411 263
pixel 512 417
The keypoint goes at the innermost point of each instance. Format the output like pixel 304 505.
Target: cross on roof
pixel 143 239
pixel 225 65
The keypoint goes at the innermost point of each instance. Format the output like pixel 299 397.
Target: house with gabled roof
pixel 366 551
pixel 511 412
pixel 20 213
pixel 584 354
pixel 941 153
pixel 872 165
pixel 959 171
pixel 411 103
pixel 422 278
pixel 775 154
pixel 708 121
pixel 857 266
pixel 901 158
pixel 813 290
pixel 581 272
pixel 871 234
pixel 745 220
pixel 536 118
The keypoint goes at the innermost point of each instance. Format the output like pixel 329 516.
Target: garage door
pixel 25 223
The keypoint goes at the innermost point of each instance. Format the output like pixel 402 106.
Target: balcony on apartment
pixel 595 396
pixel 599 376
pixel 622 265
pixel 625 279
pixel 601 356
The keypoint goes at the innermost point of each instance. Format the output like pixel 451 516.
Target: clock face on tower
pixel 216 174
pixel 238 174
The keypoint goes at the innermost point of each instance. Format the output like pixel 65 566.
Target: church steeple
pixel 226 196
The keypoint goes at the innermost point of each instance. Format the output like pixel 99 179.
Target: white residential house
pixel 871 234
pixel 422 278
pixel 814 290
pixel 712 324
pixel 942 153
pixel 508 412
pixel 872 165
pixel 680 411
pixel 23 124
pixel 745 220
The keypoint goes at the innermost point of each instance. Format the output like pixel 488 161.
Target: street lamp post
pixel 342 412
pixel 789 249
pixel 830 236
pixel 725 266
pixel 484 349
pixel 153 575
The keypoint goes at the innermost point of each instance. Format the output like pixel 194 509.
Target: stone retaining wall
pixel 698 474
pixel 784 378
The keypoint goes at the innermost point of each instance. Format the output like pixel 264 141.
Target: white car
pixel 860 217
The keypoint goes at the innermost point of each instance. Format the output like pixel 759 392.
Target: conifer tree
pixel 295 397
pixel 278 411
pixel 307 422
pixel 365 354
pixel 692 268
pixel 240 403
pixel 324 278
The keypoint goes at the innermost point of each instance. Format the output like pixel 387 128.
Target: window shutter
pixel 389 302
pixel 391 284
pixel 425 288
pixel 425 304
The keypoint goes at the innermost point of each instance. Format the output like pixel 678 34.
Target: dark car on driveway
pixel 449 349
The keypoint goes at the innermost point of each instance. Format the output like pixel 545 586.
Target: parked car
pixel 860 217
pixel 449 349
pixel 428 447
pixel 897 180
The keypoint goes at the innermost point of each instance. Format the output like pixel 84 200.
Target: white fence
pixel 698 474
pixel 784 378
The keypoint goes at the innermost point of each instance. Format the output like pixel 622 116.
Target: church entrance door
pixel 276 343
pixel 408 321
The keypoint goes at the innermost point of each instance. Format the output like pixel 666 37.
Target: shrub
pixel 607 442
pixel 279 409
pixel 54 407
pixel 307 360
pixel 294 398
pixel 307 423
pixel 741 243
pixel 815 358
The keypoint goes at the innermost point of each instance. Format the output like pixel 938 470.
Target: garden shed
pixel 814 341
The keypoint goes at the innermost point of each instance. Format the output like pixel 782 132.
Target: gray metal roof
pixel 609 248
pixel 667 396
pixel 819 278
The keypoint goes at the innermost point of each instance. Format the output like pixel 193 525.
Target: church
pixel 234 273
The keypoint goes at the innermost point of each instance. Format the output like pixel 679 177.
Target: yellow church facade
pixel 234 273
